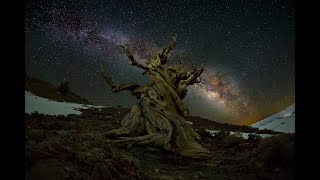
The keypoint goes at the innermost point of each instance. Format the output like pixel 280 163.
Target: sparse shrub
pixel 221 134
pixel 64 88
pixel 35 113
pixel 278 152
pixel 248 129
pixel 267 131
pixel 254 138
pixel 254 130
pixel 61 117
pixel 203 133
pixel 233 140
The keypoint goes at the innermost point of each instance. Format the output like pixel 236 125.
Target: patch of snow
pixel 239 134
pixel 246 135
pixel 212 132
pixel 283 121
pixel 42 105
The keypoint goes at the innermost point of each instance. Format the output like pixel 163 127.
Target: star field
pixel 247 46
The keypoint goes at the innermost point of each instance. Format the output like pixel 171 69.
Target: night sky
pixel 247 46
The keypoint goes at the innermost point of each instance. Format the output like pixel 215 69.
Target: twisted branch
pixel 133 62
pixel 164 55
pixel 116 87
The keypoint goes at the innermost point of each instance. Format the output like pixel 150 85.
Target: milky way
pixel 247 48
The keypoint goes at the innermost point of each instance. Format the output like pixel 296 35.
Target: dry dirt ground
pixel 74 147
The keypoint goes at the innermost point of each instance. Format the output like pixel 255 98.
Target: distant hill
pixel 203 123
pixel 47 90
pixel 283 121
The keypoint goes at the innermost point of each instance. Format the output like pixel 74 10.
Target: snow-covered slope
pixel 283 121
pixel 42 105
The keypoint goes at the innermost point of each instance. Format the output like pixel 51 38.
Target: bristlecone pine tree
pixel 159 116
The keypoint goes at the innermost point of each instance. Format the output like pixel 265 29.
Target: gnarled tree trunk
pixel 159 116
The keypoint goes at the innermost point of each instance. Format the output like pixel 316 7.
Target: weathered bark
pixel 158 117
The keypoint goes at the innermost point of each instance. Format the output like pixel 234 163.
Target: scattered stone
pixel 62 132
pixel 129 146
pixel 73 131
pixel 31 142
pixel 101 172
pixel 67 168
pixel 60 117
pixel 165 177
pixel 151 149
pixel 108 117
pixel 200 174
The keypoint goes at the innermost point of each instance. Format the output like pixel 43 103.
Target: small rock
pixel 100 155
pixel 67 168
pixel 61 132
pixel 108 117
pixel 32 142
pixel 76 172
pixel 276 170
pixel 165 177
pixel 51 149
pixel 101 172
pixel 73 131
pixel 150 149
pixel 129 146
pixel 97 149
pixel 200 174
pixel 189 122
pixel 259 165
pixel 156 170
pixel 60 116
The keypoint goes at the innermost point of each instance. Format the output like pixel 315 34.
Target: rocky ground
pixel 74 147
